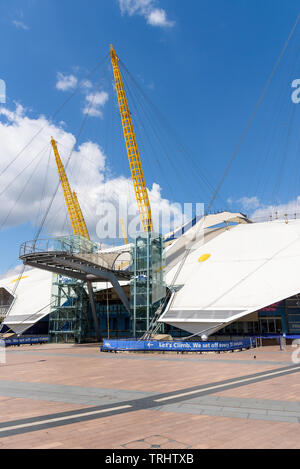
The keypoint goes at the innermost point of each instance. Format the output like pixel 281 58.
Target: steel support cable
pixel 79 133
pixel 28 317
pixel 107 133
pixel 278 105
pixel 276 161
pixel 20 194
pixel 43 188
pixel 142 130
pixel 52 218
pixel 246 277
pixel 250 274
pixel 235 153
pixel 170 132
pixel 295 172
pixel 17 281
pixel 90 106
pixel 109 145
pixel 269 160
pixel 52 117
pixel 154 130
pixel 141 125
pixel 16 201
pixel 23 170
pixel 297 184
pixel 68 149
pixel 206 183
pixel 282 165
pixel 273 129
pixel 165 150
pixel 92 101
pixel 276 133
pixel 77 170
pixel 110 149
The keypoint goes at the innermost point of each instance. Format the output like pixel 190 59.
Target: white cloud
pixel 24 195
pixel 258 211
pixel 20 25
pixel 135 6
pixel 246 203
pixel 95 103
pixel 249 203
pixel 278 211
pixel 158 17
pixel 66 82
pixel 148 9
pixel 87 84
pixel 14 271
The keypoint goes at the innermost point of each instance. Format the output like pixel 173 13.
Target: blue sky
pixel 202 63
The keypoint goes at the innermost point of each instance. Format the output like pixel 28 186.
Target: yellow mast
pixel 124 231
pixel 74 210
pixel 136 169
pixel 85 232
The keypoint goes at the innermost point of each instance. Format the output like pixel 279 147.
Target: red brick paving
pixel 196 431
pixel 199 432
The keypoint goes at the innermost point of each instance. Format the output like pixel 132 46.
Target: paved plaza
pixel 67 396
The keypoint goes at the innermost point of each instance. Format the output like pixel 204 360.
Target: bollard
pixel 283 342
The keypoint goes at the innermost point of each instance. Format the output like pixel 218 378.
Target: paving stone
pixel 277 418
pixel 78 377
pixel 157 440
pixel 282 413
pixel 234 414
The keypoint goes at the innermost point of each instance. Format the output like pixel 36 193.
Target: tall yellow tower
pixel 136 169
pixel 74 210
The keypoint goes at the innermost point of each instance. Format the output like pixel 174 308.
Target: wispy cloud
pixel 291 208
pixel 258 211
pixel 98 191
pixel 246 203
pixel 158 17
pixel 94 101
pixel 20 25
pixel 66 82
pixel 249 203
pixel 149 9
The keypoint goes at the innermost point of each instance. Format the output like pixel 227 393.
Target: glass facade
pixel 147 286
pixel 278 318
pixel 69 320
pixel 292 313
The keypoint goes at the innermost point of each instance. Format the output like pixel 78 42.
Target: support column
pixel 92 301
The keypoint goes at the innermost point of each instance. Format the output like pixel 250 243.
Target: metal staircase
pixel 155 326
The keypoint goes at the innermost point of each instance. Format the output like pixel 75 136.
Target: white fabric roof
pixel 250 266
pixel 210 220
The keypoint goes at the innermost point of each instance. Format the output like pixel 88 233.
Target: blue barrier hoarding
pixel 176 346
pixel 26 341
pixel 278 336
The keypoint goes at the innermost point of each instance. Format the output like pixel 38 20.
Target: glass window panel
pixel 271 325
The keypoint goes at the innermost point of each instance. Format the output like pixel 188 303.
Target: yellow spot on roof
pixel 19 278
pixel 204 257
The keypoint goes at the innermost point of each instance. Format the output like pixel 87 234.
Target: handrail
pixel 71 245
